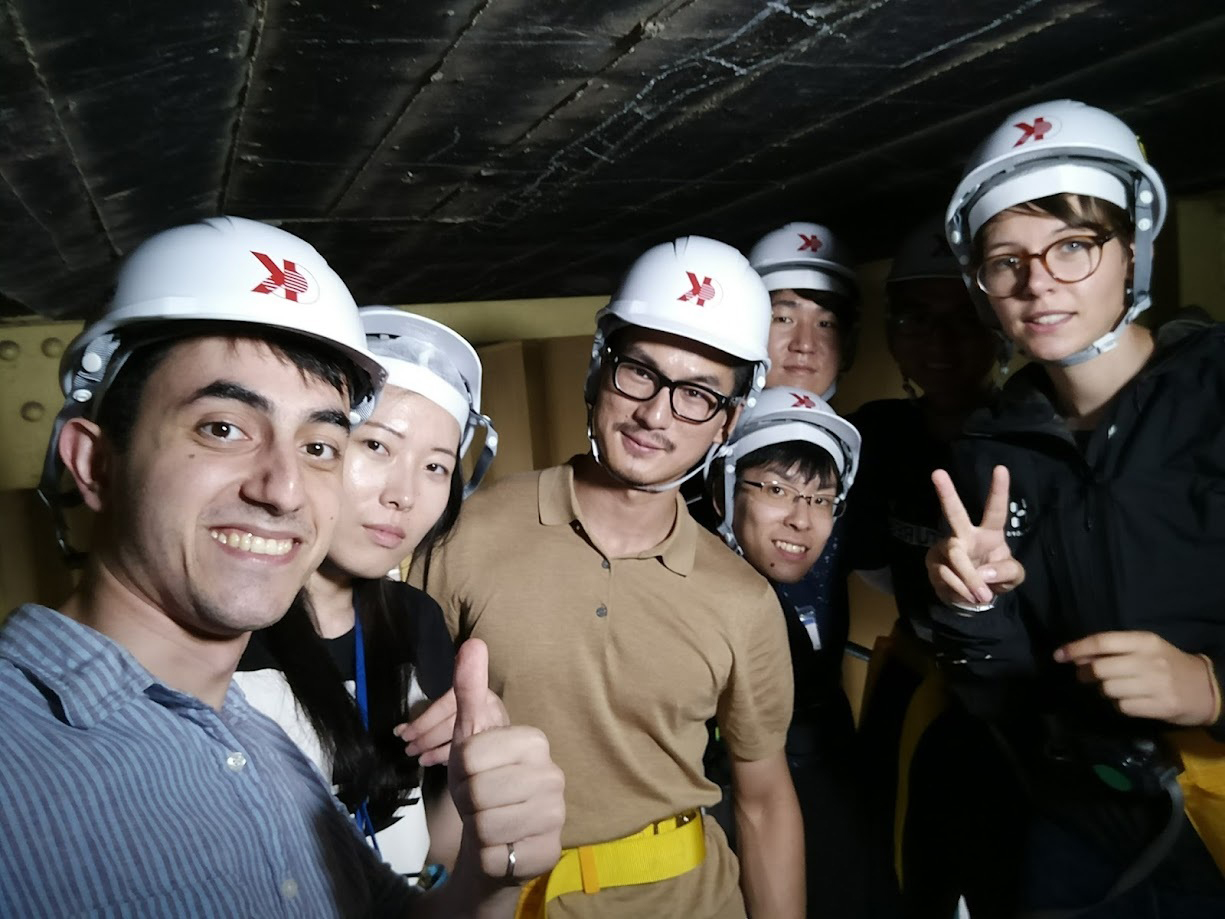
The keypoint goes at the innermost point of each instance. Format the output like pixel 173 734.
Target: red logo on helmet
pixel 810 242
pixel 286 280
pixel 802 400
pixel 1037 130
pixel 700 291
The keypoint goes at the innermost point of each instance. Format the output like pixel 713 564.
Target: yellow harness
pixel 663 850
pixel 1203 787
pixel 1203 759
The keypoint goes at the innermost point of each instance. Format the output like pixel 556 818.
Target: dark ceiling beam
pixel 774 200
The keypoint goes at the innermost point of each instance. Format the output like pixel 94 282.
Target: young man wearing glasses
pixel 778 486
pixel 619 626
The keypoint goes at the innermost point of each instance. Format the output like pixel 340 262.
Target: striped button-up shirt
pixel 122 797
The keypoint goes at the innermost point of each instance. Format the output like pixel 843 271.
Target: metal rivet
pixel 1146 197
pixel 33 411
pixel 1144 224
pixel 9 350
pixel 91 362
pixel 82 395
pixel 53 347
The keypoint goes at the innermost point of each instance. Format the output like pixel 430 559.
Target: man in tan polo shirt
pixel 618 626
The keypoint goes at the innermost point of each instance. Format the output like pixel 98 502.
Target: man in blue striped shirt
pixel 205 426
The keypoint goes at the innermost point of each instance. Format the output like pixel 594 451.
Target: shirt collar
pixel 91 676
pixel 558 506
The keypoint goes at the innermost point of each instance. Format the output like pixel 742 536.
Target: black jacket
pixel 1121 529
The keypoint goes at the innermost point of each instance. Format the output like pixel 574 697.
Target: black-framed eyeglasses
pixel 1067 260
pixel 784 497
pixel 691 402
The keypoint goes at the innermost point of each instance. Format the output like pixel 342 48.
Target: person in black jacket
pixel 1085 610
pixel 944 812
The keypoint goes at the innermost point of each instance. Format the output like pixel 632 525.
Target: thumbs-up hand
pixel 975 564
pixel 507 789
pixel 476 708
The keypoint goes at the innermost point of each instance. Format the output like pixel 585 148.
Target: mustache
pixel 644 436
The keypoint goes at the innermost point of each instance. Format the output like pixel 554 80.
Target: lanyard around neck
pixel 362 814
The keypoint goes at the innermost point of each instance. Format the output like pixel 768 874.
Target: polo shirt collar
pixel 558 506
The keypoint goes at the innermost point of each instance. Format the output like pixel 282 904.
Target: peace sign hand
pixel 974 565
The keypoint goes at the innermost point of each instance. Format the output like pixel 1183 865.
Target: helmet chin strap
pixel 1107 342
pixel 665 486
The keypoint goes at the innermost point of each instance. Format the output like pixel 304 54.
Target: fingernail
pixel 988 574
pixel 412 749
pixel 1061 655
pixel 984 595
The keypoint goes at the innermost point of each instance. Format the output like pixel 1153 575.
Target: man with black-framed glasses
pixel 619 626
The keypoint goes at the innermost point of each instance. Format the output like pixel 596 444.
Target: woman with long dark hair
pixel 360 653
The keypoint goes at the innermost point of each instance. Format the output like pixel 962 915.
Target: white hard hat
pixel 426 357
pixel 224 271
pixel 781 415
pixel 925 254
pixel 1053 148
pixel 696 288
pixel 699 289
pixel 804 256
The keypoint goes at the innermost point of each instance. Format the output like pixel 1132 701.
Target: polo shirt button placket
pixel 601 611
pixel 604 563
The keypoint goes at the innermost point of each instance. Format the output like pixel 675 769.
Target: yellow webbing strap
pixel 661 851
pixel 1203 788
pixel 929 700
pixel 926 705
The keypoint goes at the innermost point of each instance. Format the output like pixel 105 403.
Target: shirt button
pixel 235 762
pixel 289 888
pixel 604 563
pixel 601 611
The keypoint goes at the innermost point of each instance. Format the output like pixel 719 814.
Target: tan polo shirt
pixel 621 661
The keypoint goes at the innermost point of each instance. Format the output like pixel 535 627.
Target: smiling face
pixel 782 543
pixel 643 443
pixel 397 483
pixel 224 501
pixel 805 350
pixel 1047 319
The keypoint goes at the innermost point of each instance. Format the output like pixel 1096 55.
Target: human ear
pixel 729 424
pixel 85 453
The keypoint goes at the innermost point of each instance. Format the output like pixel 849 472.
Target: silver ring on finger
pixel 510 861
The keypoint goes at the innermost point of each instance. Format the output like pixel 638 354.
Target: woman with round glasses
pixel 1084 587
pixel 778 484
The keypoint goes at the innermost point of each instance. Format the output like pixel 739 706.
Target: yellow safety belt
pixel 926 705
pixel 1203 788
pixel 928 702
pixel 658 852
